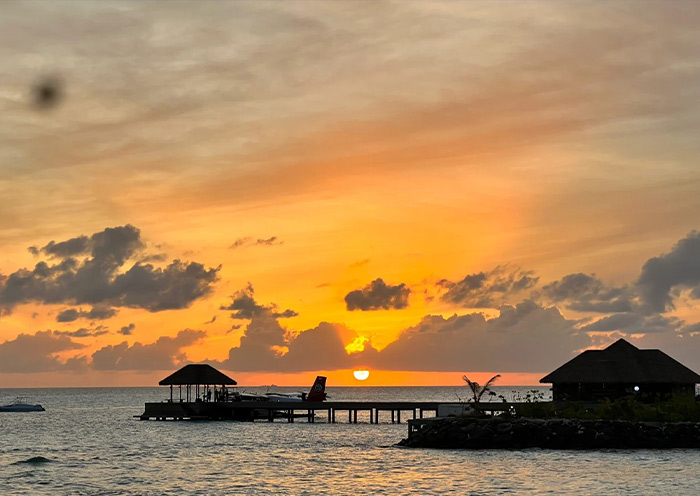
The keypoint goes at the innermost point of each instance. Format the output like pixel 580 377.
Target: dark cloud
pixel 586 293
pixel 255 352
pixel 488 289
pixel 173 287
pixel 68 315
pixel 634 323
pixel 34 353
pixel 101 313
pixel 678 269
pixel 234 327
pixel 269 241
pixel 69 248
pixel 164 354
pixel 378 296
pixel 127 329
pixel 91 271
pixel 523 338
pixel 322 348
pixel 267 346
pixel 83 332
pixel 244 306
pixel 240 242
pixel 96 313
pixel 211 321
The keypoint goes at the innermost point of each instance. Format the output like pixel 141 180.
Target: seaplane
pixel 317 393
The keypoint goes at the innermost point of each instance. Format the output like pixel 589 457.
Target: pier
pixel 335 411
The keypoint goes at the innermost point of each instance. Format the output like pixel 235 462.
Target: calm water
pixel 88 443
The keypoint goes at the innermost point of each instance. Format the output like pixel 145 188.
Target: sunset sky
pixel 281 189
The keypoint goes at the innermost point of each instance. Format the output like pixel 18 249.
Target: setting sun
pixel 361 375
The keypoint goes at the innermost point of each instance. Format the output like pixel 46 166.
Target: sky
pixel 282 189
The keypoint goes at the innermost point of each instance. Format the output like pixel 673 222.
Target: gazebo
pixel 197 374
pixel 620 370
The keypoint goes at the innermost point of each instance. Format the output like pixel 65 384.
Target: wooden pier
pixel 335 411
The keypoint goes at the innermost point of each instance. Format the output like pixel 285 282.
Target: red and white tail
pixel 318 390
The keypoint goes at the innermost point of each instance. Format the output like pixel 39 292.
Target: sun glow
pixel 361 375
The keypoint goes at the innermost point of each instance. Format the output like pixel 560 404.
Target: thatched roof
pixel 197 373
pixel 623 363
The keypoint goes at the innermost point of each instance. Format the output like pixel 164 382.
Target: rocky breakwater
pixel 517 433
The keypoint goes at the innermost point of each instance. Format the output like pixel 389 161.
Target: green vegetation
pixel 677 409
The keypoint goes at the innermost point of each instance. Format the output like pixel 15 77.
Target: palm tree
pixel 477 389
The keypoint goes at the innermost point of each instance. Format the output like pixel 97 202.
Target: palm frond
pixel 488 384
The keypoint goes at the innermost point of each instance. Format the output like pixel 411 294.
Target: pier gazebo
pixel 196 374
pixel 620 370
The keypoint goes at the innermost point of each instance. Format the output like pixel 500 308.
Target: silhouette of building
pixel 620 370
pixel 202 376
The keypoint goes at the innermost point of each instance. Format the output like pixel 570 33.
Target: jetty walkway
pixel 335 411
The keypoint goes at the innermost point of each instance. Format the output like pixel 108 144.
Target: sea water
pixel 88 442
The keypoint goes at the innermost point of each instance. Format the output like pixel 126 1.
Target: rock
pixel 489 433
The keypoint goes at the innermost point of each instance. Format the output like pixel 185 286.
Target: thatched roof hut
pixel 621 369
pixel 197 373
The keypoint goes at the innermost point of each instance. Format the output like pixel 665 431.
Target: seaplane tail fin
pixel 318 390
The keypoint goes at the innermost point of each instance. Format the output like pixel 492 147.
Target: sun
pixel 361 375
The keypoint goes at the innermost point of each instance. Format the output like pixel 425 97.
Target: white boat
pixel 21 405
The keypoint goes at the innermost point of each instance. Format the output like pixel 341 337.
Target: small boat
pixel 21 405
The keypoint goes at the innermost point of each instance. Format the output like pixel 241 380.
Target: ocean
pixel 88 442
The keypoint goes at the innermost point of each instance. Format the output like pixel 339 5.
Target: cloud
pixel 94 271
pixel 75 246
pixel 586 293
pixel 635 323
pixel 239 242
pixel 244 306
pixel 267 346
pixel 164 354
pixel 378 296
pixel 255 350
pixel 488 289
pixel 127 329
pixel 83 332
pixel 35 353
pixel 523 338
pixel 249 241
pixel 269 241
pixel 96 313
pixel 678 269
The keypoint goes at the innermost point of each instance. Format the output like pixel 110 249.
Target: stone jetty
pixel 518 433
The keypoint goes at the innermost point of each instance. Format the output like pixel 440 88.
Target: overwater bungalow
pixel 621 370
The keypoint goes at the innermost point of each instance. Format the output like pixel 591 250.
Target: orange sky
pixel 457 188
